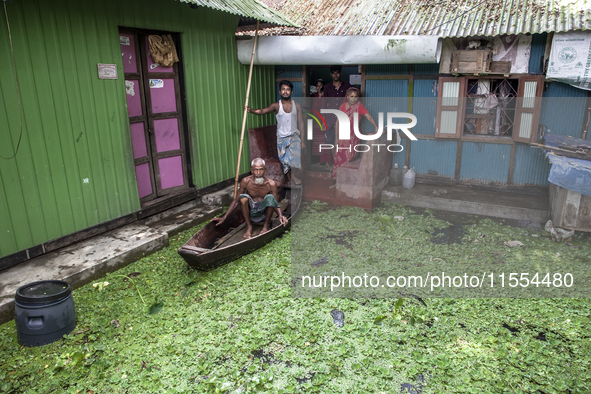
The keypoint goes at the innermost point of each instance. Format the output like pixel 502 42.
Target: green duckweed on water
pixel 238 329
pixel 394 241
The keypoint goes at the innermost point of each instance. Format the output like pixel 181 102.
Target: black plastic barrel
pixel 44 312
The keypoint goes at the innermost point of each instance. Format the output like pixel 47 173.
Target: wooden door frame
pixel 163 115
pixel 148 118
pixel 188 140
pixel 142 118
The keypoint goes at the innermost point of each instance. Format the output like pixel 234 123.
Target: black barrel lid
pixel 43 292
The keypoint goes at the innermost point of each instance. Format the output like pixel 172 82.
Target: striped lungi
pixel 289 150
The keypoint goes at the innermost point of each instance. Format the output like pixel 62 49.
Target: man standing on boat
pixel 290 123
pixel 258 197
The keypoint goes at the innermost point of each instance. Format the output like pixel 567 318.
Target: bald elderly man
pixel 257 196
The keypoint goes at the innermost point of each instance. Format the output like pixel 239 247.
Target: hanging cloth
pixel 162 50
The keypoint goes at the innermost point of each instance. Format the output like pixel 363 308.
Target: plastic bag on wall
pixel 162 50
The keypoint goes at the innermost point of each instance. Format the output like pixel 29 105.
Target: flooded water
pixel 459 221
pixel 451 235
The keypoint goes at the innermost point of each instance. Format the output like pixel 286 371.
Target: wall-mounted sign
pixel 124 40
pixel 107 71
pixel 355 79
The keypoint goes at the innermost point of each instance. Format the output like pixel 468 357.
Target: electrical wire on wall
pixel 18 96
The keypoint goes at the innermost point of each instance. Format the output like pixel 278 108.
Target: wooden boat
pixel 213 246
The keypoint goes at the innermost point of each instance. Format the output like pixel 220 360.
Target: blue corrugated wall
pixel 531 166
pixel 424 105
pixel 401 69
pixel 386 88
pixel 434 157
pixel 563 112
pixel 427 69
pixel 386 69
pixel 563 109
pixel 394 90
pixel 485 162
pixel 538 47
pixel 288 71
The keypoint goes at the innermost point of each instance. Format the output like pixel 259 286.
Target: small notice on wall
pixel 570 59
pixel 124 40
pixel 107 71
pixel 355 79
pixel 156 83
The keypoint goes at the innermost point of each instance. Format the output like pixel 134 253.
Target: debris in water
pixel 323 260
pixel 558 234
pixel 513 244
pixel 339 317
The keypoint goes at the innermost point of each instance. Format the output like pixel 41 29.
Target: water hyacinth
pixel 238 328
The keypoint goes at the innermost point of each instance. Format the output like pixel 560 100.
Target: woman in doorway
pixel 346 148
pixel 319 136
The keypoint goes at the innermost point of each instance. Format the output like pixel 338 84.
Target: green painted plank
pixel 31 160
pixel 59 56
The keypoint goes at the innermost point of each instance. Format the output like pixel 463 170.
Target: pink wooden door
pixel 155 117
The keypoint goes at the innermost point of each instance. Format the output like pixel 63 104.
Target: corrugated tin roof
pixel 247 8
pixel 444 18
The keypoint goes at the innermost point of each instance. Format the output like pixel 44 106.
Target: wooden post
pixel 245 112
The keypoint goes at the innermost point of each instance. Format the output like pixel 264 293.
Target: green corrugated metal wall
pixel 75 167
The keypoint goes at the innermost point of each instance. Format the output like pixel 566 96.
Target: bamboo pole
pixel 245 111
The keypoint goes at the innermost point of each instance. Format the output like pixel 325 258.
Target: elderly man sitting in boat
pixel 257 197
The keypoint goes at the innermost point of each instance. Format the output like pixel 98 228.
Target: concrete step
pixel 82 262
pixel 531 208
pixel 181 218
pixel 88 260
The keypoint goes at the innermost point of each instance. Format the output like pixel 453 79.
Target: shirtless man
pixel 258 199
pixel 290 123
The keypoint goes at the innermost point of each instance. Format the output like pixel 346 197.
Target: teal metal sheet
pixel 386 69
pixel 386 96
pixel 531 166
pixel 538 48
pixel 433 157
pixel 426 69
pixel 391 88
pixel 288 71
pixel 485 162
pixel 424 105
pixel 401 69
pixel 563 109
